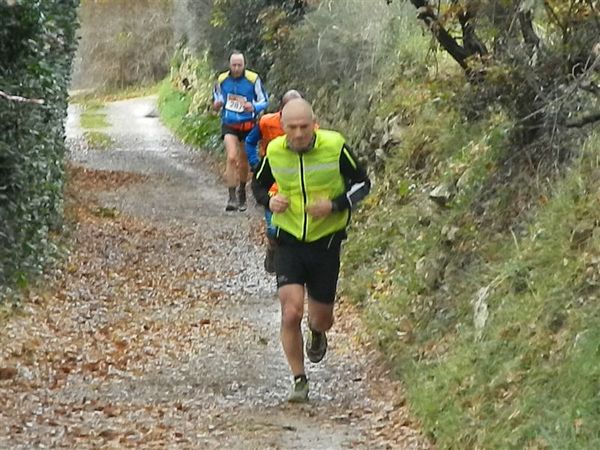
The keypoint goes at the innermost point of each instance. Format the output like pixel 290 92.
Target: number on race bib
pixel 235 103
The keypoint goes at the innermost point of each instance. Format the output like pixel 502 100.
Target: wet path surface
pixel 161 331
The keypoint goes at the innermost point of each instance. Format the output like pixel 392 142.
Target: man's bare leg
pixel 243 170
pixel 291 297
pixel 243 166
pixel 231 150
pixel 320 319
pixel 231 171
pixel 320 315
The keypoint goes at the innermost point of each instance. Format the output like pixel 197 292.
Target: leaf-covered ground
pixel 160 328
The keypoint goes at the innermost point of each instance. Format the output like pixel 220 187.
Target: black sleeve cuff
pixel 340 203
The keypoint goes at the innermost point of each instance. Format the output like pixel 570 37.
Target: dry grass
pixel 123 43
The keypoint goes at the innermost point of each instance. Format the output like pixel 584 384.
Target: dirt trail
pixel 161 328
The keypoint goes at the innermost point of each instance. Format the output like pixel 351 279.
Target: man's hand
pixel 248 106
pixel 278 203
pixel 217 105
pixel 320 208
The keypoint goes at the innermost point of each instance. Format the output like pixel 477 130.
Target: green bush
pixel 230 29
pixel 344 57
pixel 37 42
pixel 184 111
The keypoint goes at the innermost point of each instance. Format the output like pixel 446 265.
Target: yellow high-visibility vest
pixel 304 179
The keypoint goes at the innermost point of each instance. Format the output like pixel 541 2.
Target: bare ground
pixel 160 327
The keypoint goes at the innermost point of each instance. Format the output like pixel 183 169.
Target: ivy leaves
pixel 37 41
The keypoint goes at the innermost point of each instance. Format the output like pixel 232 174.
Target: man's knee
pixel 291 317
pixel 321 322
pixel 292 305
pixel 232 144
pixel 320 315
pixel 231 158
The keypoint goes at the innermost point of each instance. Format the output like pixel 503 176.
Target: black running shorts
pixel 315 266
pixel 240 131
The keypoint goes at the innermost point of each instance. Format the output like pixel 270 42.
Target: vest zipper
pixel 305 221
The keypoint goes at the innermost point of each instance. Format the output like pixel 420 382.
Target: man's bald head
pixel 237 63
pixel 298 122
pixel 296 108
pixel 290 95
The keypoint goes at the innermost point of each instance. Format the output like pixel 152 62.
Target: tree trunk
pixel 428 16
pixel 471 42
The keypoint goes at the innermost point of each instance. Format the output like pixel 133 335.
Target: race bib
pixel 235 103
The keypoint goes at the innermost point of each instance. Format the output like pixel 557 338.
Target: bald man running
pixel 319 182
pixel 268 128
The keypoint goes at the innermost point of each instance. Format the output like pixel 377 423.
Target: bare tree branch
pixel 471 42
pixel 584 120
pixel 16 98
pixel 590 87
pixel 595 15
pixel 552 14
pixel 427 15
pixel 529 35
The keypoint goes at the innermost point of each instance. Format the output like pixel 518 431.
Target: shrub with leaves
pixel 539 60
pixel 185 100
pixel 37 42
pixel 255 27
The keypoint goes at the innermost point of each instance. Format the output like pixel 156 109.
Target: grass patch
pixel 173 106
pixel 93 116
pixel 526 375
pixel 530 380
pixel 200 129
pixel 98 140
pixel 92 121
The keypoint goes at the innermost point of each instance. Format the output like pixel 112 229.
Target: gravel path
pixel 161 331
